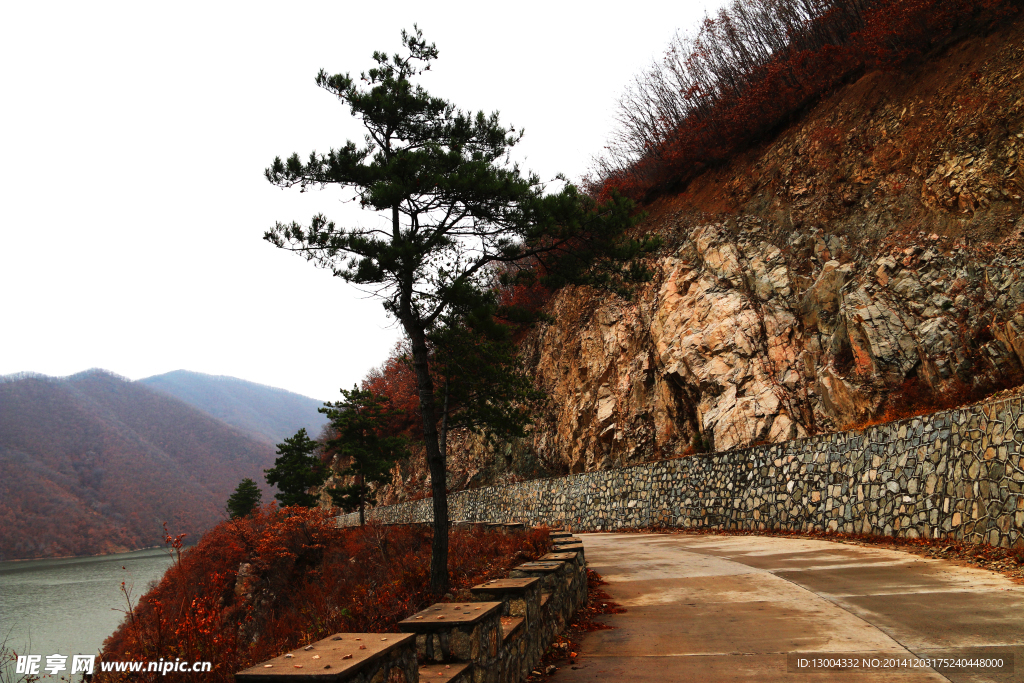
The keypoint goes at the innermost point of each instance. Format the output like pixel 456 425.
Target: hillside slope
pixel 870 255
pixel 94 463
pixel 866 261
pixel 275 414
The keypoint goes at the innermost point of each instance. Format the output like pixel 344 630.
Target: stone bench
pixel 570 548
pixel 456 632
pixel 549 572
pixel 560 555
pixel 573 558
pixel 342 658
pixel 520 596
pixel 576 584
pixel 556 577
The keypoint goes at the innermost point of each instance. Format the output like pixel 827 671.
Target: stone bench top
pixel 338 657
pixel 559 556
pixel 445 673
pixel 546 566
pixel 506 585
pixel 560 534
pixel 568 547
pixel 509 626
pixel 444 615
pixel 566 540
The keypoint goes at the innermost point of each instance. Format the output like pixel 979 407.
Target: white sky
pixel 133 138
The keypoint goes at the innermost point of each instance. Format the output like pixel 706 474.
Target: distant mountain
pixel 273 413
pixel 95 463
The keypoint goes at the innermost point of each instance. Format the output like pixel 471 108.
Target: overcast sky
pixel 134 137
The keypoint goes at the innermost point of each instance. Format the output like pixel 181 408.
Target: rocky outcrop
pixel 746 338
pixel 870 254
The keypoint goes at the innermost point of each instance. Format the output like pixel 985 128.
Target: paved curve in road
pixel 731 608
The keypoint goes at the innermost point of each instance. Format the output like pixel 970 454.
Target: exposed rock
pixel 726 349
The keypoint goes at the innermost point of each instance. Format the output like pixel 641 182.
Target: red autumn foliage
pixel 753 66
pixel 395 380
pixel 521 301
pixel 531 297
pixel 255 587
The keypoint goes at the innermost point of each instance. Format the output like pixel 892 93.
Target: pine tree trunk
pixel 435 460
pixel 439 547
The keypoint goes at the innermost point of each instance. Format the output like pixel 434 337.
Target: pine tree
pixel 246 498
pixel 456 207
pixel 296 470
pixel 357 424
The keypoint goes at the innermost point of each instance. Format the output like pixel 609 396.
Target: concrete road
pixel 733 608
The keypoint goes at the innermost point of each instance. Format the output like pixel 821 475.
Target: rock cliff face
pixel 751 336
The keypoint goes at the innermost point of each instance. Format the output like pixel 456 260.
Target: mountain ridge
pixel 94 463
pixel 270 412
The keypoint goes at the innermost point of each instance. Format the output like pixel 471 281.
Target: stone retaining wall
pixel 957 474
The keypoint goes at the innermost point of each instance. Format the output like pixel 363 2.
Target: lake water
pixel 69 606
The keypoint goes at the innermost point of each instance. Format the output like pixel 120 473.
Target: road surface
pixel 734 608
